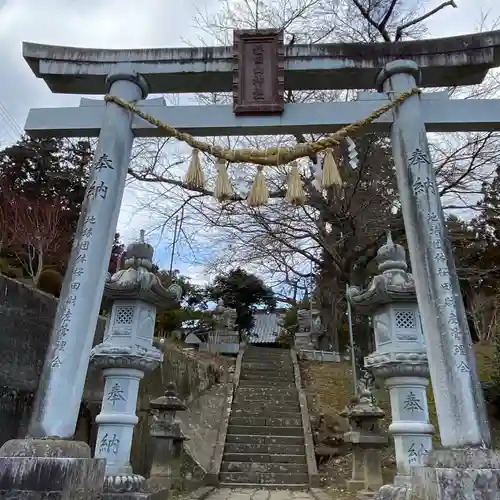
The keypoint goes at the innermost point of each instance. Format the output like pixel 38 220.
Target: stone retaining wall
pixel 26 317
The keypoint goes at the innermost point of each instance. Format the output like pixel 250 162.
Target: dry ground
pixel 329 390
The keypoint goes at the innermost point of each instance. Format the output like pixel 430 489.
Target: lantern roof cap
pixel 137 281
pixel 169 401
pixel 393 283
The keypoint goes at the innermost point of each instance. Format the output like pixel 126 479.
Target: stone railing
pixel 312 468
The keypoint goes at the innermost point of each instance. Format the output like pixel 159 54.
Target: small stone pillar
pixel 168 437
pixel 304 334
pixel 125 354
pixel 400 358
pixel 366 440
pixel 225 331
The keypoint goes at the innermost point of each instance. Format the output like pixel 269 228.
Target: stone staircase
pixel 265 438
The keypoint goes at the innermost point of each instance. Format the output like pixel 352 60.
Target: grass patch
pixel 329 390
pixel 329 385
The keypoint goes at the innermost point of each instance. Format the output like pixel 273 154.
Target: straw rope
pixel 274 156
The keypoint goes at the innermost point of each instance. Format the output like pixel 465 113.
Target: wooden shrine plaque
pixel 259 72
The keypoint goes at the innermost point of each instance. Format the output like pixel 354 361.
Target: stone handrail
pixel 212 477
pixel 312 468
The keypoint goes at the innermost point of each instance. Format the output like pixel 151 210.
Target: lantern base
pixel 125 487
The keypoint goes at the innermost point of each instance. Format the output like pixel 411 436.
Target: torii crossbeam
pixel 440 114
pixel 443 62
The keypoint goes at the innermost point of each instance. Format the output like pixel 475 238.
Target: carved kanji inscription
pixel 258 76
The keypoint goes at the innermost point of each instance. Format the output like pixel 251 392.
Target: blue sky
pixel 132 24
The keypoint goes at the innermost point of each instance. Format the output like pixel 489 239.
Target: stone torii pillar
pixel 61 386
pixel 466 467
pixel 50 461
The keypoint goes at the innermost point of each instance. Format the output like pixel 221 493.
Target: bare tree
pixel 485 313
pixel 38 231
pixel 336 233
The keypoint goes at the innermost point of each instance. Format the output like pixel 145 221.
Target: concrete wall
pixel 26 317
pixel 199 384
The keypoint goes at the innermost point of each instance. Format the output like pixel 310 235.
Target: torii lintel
pixel 440 114
pixel 460 60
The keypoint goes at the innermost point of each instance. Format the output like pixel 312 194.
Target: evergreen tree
pixel 192 305
pixel 48 169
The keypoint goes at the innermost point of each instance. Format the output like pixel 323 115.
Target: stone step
pixel 264 458
pixel 264 430
pixel 267 358
pixel 264 413
pixel 267 467
pixel 281 365
pixel 263 478
pixel 264 440
pixel 267 377
pixel 264 449
pixel 267 352
pixel 266 421
pixel 270 390
pixel 265 399
pixel 255 486
pixel 289 392
pixel 261 365
pixel 245 382
pixel 288 407
pixel 276 371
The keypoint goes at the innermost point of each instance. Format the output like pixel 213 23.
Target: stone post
pixel 125 354
pixel 168 438
pixel 366 439
pixel 460 404
pixel 61 385
pixel 467 462
pixel 224 329
pixel 303 336
pixel 399 359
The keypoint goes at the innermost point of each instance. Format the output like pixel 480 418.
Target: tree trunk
pixel 330 293
pixel 39 267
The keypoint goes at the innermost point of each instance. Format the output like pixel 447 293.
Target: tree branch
pixel 400 29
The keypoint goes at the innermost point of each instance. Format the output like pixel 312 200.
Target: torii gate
pixel 391 68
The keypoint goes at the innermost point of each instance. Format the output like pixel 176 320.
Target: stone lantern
pixel 168 437
pixel 125 354
pixel 400 358
pixel 366 439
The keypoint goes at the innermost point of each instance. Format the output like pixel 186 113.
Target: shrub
pixel 491 387
pixel 50 281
